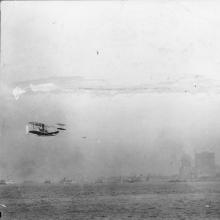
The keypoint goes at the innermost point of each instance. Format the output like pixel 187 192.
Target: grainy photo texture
pixel 110 110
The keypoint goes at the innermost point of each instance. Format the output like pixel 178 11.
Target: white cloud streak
pixel 75 85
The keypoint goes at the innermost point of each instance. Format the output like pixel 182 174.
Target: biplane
pixel 42 129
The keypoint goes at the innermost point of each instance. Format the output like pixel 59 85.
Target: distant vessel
pixel 66 181
pixel 6 180
pixel 10 182
pixel 2 182
pixel 47 182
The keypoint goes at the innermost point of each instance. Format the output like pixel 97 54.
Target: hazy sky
pixel 139 79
